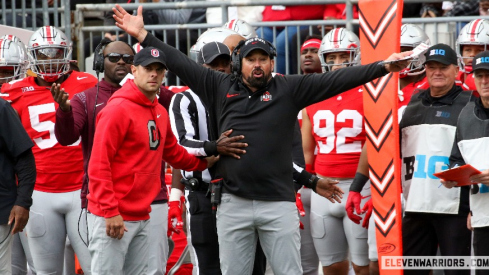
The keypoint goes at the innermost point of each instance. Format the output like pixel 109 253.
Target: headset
pixel 98 55
pixel 236 59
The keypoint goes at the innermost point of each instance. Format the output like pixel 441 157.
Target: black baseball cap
pixel 148 56
pixel 254 44
pixel 481 61
pixel 211 51
pixel 441 53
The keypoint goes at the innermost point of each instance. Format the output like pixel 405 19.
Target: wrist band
pixel 358 182
pixel 175 195
pixel 313 182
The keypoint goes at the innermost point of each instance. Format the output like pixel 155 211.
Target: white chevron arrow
pixel 381 184
pixel 375 90
pixel 383 24
pixel 378 139
pixel 385 226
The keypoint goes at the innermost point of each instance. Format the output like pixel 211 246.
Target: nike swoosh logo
pixel 158 116
pixel 99 104
pixel 228 95
pixel 80 78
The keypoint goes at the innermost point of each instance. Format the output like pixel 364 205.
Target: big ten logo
pixel 479 188
pixel 422 166
pixel 27 89
pixel 437 52
pixel 482 60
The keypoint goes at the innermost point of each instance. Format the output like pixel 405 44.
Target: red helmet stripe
pixel 475 26
pixel 336 36
pixel 49 34
pixel 231 23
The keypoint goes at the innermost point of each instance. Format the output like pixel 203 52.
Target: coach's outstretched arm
pixel 187 69
pixel 134 26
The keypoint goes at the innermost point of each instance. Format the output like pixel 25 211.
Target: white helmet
pixel 49 52
pixel 412 36
pixel 476 32
pixel 241 27
pixel 339 40
pixel 10 37
pixel 12 54
pixel 211 35
pixel 19 42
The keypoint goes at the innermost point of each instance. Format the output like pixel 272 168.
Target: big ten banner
pixel 380 28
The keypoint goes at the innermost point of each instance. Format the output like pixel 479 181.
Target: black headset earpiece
pixel 235 60
pixel 98 56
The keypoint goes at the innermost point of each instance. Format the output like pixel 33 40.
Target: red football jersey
pixel 468 81
pixel 59 168
pixel 407 93
pixel 338 129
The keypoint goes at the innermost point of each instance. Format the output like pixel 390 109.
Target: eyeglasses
pixel 115 57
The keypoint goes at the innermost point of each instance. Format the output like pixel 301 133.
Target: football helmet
pixel 49 52
pixel 241 27
pixel 412 36
pixel 476 32
pixel 12 55
pixel 339 40
pixel 211 35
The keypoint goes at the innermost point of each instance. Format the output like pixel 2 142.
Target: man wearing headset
pixel 258 194
pixel 76 118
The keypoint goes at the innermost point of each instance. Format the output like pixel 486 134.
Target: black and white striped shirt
pixel 189 122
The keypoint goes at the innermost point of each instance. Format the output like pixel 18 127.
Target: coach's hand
pixel 469 222
pixel 328 188
pixel 132 24
pixel 61 97
pixel 448 183
pixel 394 62
pixel 211 161
pixel 483 177
pixel 229 146
pixel 114 227
pixel 19 216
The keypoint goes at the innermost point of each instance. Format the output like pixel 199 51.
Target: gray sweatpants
pixel 158 244
pixel 5 249
pixel 309 256
pixel 111 256
pixel 241 221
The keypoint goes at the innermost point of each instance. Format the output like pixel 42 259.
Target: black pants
pixel 423 233
pixel 481 245
pixel 204 237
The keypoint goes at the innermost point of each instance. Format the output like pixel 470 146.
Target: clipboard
pixel 459 174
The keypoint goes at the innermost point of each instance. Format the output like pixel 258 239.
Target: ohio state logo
pixel 155 53
pixel 266 96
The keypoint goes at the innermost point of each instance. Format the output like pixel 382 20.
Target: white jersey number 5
pixel 43 126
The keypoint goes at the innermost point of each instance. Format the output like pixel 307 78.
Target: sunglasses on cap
pixel 115 57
